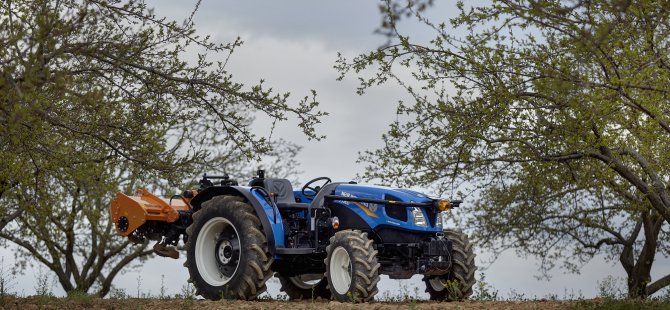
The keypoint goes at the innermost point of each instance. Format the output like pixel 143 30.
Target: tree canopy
pixel 102 95
pixel 549 116
pixel 88 81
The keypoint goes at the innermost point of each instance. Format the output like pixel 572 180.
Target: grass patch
pixel 81 298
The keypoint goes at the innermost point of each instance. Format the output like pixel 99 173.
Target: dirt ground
pixel 129 304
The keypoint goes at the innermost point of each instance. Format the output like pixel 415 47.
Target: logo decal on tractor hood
pixel 365 209
pixel 345 194
pixel 368 208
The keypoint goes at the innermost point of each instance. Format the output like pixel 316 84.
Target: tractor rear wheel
pixel 304 287
pixel 226 251
pixel 457 284
pixel 352 269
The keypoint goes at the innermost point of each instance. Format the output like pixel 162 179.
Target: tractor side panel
pixel 349 218
pixel 273 216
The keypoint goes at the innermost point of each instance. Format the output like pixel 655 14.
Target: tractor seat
pixel 284 191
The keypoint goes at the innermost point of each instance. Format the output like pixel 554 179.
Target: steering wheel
pixel 316 189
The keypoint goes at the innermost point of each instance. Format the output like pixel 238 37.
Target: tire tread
pixel 462 270
pixel 255 271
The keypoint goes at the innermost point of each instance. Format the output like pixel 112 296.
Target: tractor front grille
pixel 394 211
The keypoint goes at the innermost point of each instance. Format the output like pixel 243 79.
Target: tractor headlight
pixel 419 219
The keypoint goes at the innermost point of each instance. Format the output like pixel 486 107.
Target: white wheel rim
pixel 340 270
pixel 306 281
pixel 205 251
pixel 437 284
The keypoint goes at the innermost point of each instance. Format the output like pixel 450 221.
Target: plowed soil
pixel 125 304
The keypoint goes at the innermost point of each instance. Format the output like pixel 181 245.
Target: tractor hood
pixel 377 208
pixel 381 192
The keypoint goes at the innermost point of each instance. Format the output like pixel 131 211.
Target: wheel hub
pixel 227 253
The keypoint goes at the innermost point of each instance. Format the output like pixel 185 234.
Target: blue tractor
pixel 327 240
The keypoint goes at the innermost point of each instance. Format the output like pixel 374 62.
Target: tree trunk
pixel 637 285
pixel 640 275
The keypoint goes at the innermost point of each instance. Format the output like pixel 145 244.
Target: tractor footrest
pixel 295 251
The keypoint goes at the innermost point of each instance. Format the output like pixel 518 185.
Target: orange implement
pixel 131 212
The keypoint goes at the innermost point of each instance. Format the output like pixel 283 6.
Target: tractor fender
pixel 245 192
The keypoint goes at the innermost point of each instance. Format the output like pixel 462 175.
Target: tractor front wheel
pixel 352 269
pixel 304 287
pixel 457 284
pixel 226 252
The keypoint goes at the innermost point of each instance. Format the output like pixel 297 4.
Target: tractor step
pixel 295 251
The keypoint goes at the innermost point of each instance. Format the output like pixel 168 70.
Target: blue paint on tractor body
pixel 272 215
pixel 373 214
pixel 384 193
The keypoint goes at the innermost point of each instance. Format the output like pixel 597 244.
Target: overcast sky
pixel 293 45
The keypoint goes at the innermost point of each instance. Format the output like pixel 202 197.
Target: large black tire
pixel 457 284
pixel 352 269
pixel 226 252
pixel 298 289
